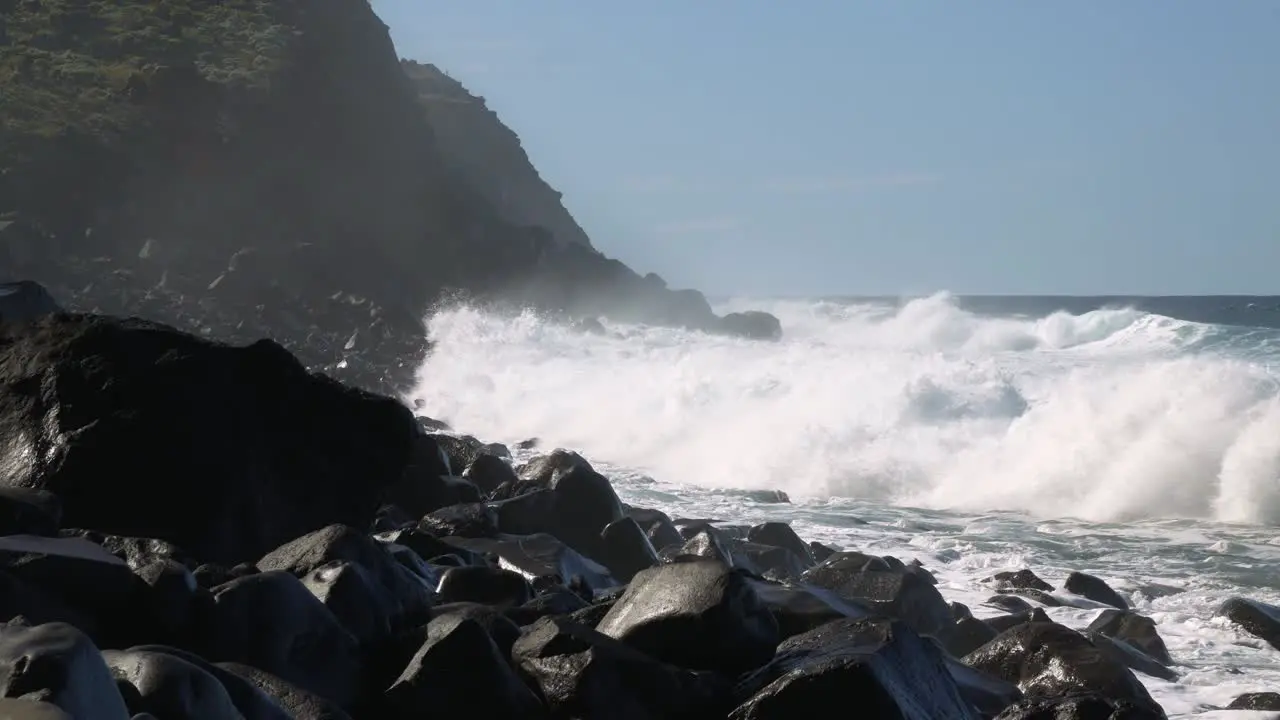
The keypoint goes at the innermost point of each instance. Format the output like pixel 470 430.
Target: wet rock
pixel 427 483
pixel 58 665
pixel 487 585
pixel 769 497
pixel 392 517
pixel 821 552
pixel 657 525
pixel 699 615
pixel 1039 596
pixel 301 704
pixel 1130 656
pixel 584 674
pixel 775 563
pixel 895 593
pixel 543 469
pixel 502 630
pixel 402 593
pixel 1134 629
pixel 170 687
pixel 432 425
pixel 988 695
pixel 1080 707
pixel 135 551
pixel 470 520
pixel 272 622
pixel 1094 588
pixel 1019 580
pixel 541 556
pixel 548 602
pixel 1001 623
pixel 626 550
pixel 800 608
pixel 174 600
pixel 959 610
pixel 1256 701
pixel 24 511
pixel 1048 660
pixel 966 635
pixel 487 472
pixel 239 425
pixel 483 686
pixel 1009 603
pixel 707 542
pixel 1258 619
pixel 428 547
pixel 881 667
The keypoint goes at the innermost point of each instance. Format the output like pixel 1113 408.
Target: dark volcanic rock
pixel 170 687
pixel 881 667
pixel 272 622
pixel 1095 589
pixel 1019 580
pixel 896 593
pixel 584 674
pixel 1050 660
pixel 699 615
pixel 24 301
pixel 488 585
pixel 226 452
pixel 1130 656
pixel 59 665
pixel 1256 701
pixel 468 520
pixel 487 472
pixel 301 704
pixel 657 525
pixel 1258 619
pixel 459 670
pixel 1079 707
pixel 252 702
pixel 626 549
pixel 753 324
pixel 1000 623
pixel 801 608
pixel 1134 629
pixel 540 556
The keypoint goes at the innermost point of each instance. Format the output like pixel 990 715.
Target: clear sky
pixel 877 146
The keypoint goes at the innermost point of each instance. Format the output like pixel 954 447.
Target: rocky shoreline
pixel 190 529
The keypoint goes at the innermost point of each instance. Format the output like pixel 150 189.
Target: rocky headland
pixel 270 168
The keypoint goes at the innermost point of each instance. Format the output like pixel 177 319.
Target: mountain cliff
pixel 249 168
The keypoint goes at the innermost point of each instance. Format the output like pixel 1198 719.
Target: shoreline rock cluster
pixel 194 530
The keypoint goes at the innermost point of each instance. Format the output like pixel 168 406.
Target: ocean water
pixel 974 434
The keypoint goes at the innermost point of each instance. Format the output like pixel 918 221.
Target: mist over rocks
pixel 270 168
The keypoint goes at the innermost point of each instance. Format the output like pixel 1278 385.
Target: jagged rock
pixel 1045 659
pixel 657 525
pixel 1000 623
pixel 1094 588
pixel 484 686
pixel 1258 619
pixel 427 546
pixel 355 599
pixel 1130 656
pixel 272 622
pixel 137 552
pixel 583 673
pixel 59 665
pixel 502 630
pixel 881 667
pixel 966 635
pixel 210 447
pixel 469 520
pixel 1134 629
pixel 174 601
pixel 699 615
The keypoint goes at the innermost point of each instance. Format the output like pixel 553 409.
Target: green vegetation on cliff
pixel 79 66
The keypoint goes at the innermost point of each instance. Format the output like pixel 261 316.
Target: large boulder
pixel 57 664
pixel 225 451
pixel 24 301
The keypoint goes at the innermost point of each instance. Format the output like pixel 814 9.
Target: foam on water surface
pixel 1139 448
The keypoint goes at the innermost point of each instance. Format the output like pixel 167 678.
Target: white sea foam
pixel 976 443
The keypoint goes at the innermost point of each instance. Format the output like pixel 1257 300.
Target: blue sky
pixel 824 147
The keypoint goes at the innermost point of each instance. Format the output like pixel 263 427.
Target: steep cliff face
pixel 248 168
pixel 475 142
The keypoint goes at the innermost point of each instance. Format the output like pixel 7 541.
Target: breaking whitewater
pixel 1135 446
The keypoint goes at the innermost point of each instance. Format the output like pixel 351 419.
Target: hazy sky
pixel 860 146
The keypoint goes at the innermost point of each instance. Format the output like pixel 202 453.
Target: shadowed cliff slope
pixel 245 168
